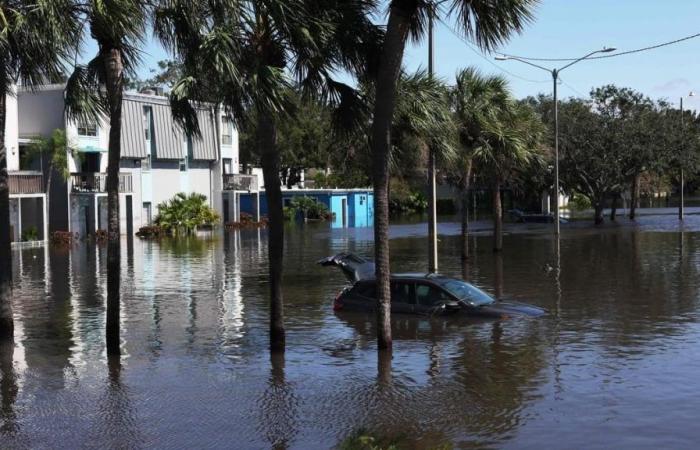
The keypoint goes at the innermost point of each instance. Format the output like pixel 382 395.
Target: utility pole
pixel 432 220
pixel 555 76
pixel 682 160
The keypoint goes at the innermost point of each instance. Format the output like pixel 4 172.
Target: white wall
pixel 11 131
pixel 41 111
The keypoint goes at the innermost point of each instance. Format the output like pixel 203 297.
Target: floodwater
pixel 613 365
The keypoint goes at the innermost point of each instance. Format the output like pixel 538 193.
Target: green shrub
pixel 579 202
pixel 310 208
pixel 30 234
pixel 183 214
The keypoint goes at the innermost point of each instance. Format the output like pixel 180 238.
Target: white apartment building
pixel 158 160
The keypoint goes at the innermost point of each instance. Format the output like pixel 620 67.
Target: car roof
pixel 414 276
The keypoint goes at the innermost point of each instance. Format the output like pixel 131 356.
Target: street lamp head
pixel 501 58
pixel 608 50
pixel 691 94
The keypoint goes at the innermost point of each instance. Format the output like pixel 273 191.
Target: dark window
pixel 365 290
pixel 401 292
pixel 88 129
pixel 428 295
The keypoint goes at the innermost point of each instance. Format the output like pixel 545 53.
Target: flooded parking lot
pixel 613 364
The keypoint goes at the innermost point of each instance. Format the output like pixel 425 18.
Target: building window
pixel 147 111
pixel 146 163
pixel 183 165
pixel 147 214
pixel 87 129
pixel 228 166
pixel 227 132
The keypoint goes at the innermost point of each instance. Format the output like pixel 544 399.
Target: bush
pixel 101 236
pixel 412 203
pixel 579 202
pixel 310 208
pixel 246 221
pixel 183 214
pixel 30 234
pixel 62 238
pixel 150 232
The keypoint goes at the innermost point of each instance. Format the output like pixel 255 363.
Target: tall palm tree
pixel 510 143
pixel 36 37
pixel 96 89
pixel 252 50
pixel 488 23
pixel 477 101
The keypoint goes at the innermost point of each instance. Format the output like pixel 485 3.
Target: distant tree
pixel 165 76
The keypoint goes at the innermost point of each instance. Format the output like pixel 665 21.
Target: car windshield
pixel 465 291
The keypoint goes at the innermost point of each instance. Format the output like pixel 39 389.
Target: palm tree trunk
pixel 267 144
pixel 598 211
pixel 497 216
pixel 634 200
pixel 6 322
pixel 114 74
pixel 387 77
pixel 613 207
pixel 464 207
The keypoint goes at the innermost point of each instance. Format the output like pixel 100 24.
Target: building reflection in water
pixel 231 299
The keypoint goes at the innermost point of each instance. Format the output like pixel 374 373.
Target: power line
pixel 628 52
pixel 488 60
pixel 571 87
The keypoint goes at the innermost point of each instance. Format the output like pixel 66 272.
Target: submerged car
pixel 418 293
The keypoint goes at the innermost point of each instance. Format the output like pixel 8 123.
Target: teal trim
pixel 92 149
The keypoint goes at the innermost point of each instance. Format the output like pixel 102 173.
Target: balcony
pixel 240 182
pixel 92 182
pixel 26 182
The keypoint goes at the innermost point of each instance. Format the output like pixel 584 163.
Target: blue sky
pixel 572 28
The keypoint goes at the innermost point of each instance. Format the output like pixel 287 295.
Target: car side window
pixel 365 290
pixel 428 295
pixel 401 293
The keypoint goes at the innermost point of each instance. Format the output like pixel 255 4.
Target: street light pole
pixel 681 206
pixel 682 161
pixel 555 79
pixel 432 220
pixel 555 76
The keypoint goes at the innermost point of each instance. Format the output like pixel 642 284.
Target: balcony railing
pixel 26 182
pixel 240 182
pixel 91 182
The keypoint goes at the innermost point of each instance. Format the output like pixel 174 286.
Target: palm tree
pixel 35 41
pixel 488 23
pixel 477 101
pixel 251 50
pixel 95 89
pixel 54 150
pixel 510 143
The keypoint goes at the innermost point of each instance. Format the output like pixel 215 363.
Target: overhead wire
pixel 612 55
pixel 488 60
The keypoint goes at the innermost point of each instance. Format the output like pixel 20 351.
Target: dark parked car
pixel 418 293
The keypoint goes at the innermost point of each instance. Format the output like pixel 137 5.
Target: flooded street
pixel 613 364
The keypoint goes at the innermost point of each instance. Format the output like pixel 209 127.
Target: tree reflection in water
pixel 278 406
pixel 9 426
